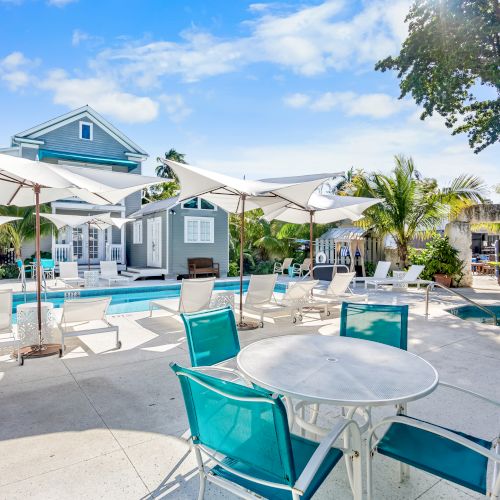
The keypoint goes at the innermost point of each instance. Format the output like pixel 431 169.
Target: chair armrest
pixel 216 265
pixel 222 369
pixel 322 450
pixel 470 393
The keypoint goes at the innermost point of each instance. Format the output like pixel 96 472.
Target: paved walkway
pixel 101 423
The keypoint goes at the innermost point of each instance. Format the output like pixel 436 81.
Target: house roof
pixel 344 233
pixel 156 206
pixel 31 134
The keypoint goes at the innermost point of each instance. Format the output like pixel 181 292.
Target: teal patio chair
pixel 449 454
pixel 212 336
pixel 244 430
pixel 387 324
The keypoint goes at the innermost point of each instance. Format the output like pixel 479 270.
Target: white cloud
pixel 15 70
pixel 175 107
pixel 308 41
pixel 376 105
pixel 101 93
pixel 79 36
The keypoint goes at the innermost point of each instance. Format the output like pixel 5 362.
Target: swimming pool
pixel 473 313
pixel 127 299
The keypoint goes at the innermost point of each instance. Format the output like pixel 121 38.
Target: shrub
pixel 234 269
pixel 9 271
pixel 438 257
pixel 264 267
pixel 369 268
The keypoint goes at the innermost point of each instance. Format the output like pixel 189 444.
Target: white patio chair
pixel 259 294
pixel 305 267
pixel 86 316
pixel 381 272
pixel 109 272
pixel 295 299
pixel 410 278
pixel 195 296
pixel 281 267
pixel 68 274
pixel 7 336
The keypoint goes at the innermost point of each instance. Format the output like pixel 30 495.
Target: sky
pixel 255 89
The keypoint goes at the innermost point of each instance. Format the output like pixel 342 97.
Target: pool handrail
pixel 474 303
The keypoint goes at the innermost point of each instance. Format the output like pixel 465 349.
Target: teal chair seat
pixel 302 451
pixel 436 454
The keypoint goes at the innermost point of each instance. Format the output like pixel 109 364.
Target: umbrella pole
pixel 311 240
pixel 38 265
pixel 242 239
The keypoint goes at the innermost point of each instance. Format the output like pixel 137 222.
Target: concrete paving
pixel 102 423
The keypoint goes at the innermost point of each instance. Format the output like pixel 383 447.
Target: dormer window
pixel 86 131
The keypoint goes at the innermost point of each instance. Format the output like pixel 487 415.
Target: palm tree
pixel 163 170
pixel 413 206
pixel 17 233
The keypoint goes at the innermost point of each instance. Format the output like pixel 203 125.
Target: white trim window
pixel 198 204
pixel 86 131
pixel 198 229
pixel 137 232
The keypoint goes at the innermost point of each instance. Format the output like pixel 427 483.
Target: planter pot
pixel 443 279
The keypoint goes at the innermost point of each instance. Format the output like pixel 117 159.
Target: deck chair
pixel 7 335
pixel 243 432
pixel 381 272
pixel 259 294
pixel 195 296
pixel 305 267
pixel 294 301
pixel 109 272
pixel 68 274
pixel 447 453
pixel 86 317
pixel 281 267
pixel 411 278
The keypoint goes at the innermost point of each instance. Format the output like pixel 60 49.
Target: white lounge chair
pixel 410 278
pixel 68 274
pixel 109 272
pixel 280 268
pixel 259 293
pixel 295 299
pixel 86 316
pixel 305 267
pixel 195 296
pixel 7 336
pixel 381 272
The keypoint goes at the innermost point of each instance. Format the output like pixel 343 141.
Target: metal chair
pixel 244 431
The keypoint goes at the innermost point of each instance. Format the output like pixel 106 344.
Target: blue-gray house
pixel 166 232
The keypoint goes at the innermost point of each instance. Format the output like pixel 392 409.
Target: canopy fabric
pixel 18 176
pixel 326 209
pixel 103 221
pixel 4 219
pixel 227 191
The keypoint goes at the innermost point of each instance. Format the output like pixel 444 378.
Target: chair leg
pixel 201 472
pixel 369 475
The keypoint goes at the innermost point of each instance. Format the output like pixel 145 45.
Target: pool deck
pixel 101 423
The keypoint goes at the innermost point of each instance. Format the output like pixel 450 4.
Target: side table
pixel 399 286
pixel 222 298
pixel 91 279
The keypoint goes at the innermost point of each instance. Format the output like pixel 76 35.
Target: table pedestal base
pixel 34 351
pixel 247 325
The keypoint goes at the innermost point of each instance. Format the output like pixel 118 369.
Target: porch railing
pixel 62 252
pixel 115 252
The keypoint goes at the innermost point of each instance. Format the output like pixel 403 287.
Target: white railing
pixel 115 252
pixel 62 253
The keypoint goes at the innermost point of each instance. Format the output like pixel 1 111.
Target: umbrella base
pixel 246 325
pixel 36 351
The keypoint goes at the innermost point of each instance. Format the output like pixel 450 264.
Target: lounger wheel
pixel 300 317
pixel 20 361
pixel 119 344
pixel 61 352
pixel 328 313
pixel 294 320
pixel 261 324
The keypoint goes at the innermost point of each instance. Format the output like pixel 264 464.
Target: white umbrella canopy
pixel 25 182
pixel 103 221
pixel 239 195
pixel 4 219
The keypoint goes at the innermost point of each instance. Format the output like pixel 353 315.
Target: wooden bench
pixel 202 265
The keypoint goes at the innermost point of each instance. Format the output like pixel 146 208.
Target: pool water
pixel 473 313
pixel 127 299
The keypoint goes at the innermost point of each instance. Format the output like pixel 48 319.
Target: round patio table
pixel 336 370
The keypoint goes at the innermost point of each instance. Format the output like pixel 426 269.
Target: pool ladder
pixel 480 306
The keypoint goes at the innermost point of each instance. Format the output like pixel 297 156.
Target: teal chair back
pixel 212 336
pixel 387 324
pixel 46 263
pixel 246 424
pixel 19 263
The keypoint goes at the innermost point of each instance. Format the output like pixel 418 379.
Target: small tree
pixel 168 189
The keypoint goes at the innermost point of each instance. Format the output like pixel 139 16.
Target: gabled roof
pixel 83 112
pixel 155 206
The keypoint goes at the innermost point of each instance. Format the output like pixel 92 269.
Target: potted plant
pixel 441 261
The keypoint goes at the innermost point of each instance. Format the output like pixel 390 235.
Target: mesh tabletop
pixel 338 370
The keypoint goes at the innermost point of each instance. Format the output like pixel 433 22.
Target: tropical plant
pixel 17 233
pixel 413 206
pixel 451 53
pixel 168 189
pixel 438 257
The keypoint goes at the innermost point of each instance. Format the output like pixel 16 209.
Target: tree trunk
pixel 403 254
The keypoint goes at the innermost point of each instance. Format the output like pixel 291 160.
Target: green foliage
pixel 168 189
pixel 369 268
pixel 452 49
pixel 412 206
pixel 438 257
pixel 234 269
pixel 263 267
pixel 9 271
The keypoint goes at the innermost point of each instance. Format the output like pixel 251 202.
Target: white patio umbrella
pixel 102 221
pixel 238 195
pixel 4 219
pixel 323 209
pixel 25 182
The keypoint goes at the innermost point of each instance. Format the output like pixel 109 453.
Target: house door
pixel 88 244
pixel 154 242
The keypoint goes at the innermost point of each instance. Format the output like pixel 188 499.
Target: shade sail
pixel 103 221
pixel 4 219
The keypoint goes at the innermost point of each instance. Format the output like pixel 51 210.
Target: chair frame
pixel 307 475
pixel 76 280
pixel 92 331
pixel 112 278
pixel 14 340
pixel 494 456
pixel 394 281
